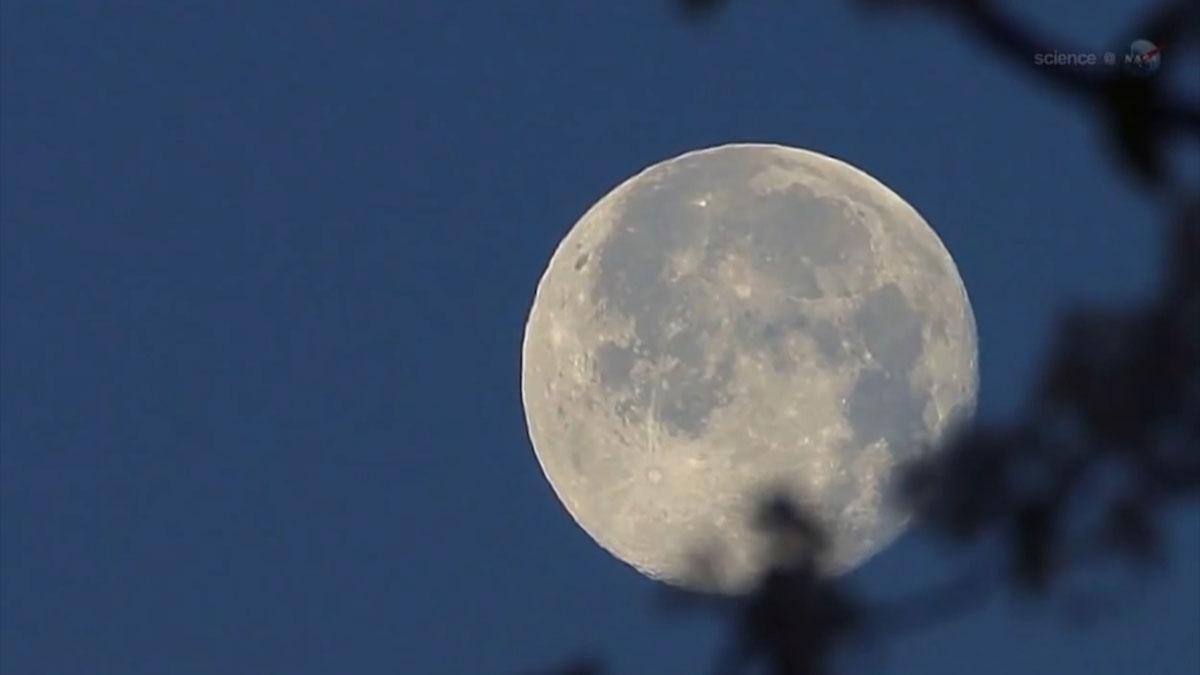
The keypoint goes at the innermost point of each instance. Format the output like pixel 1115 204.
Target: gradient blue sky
pixel 266 267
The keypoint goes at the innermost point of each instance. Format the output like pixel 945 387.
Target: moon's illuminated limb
pixel 736 319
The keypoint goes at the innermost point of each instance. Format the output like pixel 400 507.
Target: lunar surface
pixel 737 320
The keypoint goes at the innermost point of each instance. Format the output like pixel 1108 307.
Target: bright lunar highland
pixel 735 321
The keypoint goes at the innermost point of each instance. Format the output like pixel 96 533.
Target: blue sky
pixel 266 267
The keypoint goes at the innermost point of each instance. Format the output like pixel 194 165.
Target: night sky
pixel 266 266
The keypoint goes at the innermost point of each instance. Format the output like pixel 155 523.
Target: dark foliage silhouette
pixel 1111 431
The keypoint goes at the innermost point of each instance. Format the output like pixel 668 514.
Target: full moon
pixel 736 320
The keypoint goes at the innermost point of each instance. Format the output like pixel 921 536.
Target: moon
pixel 739 319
